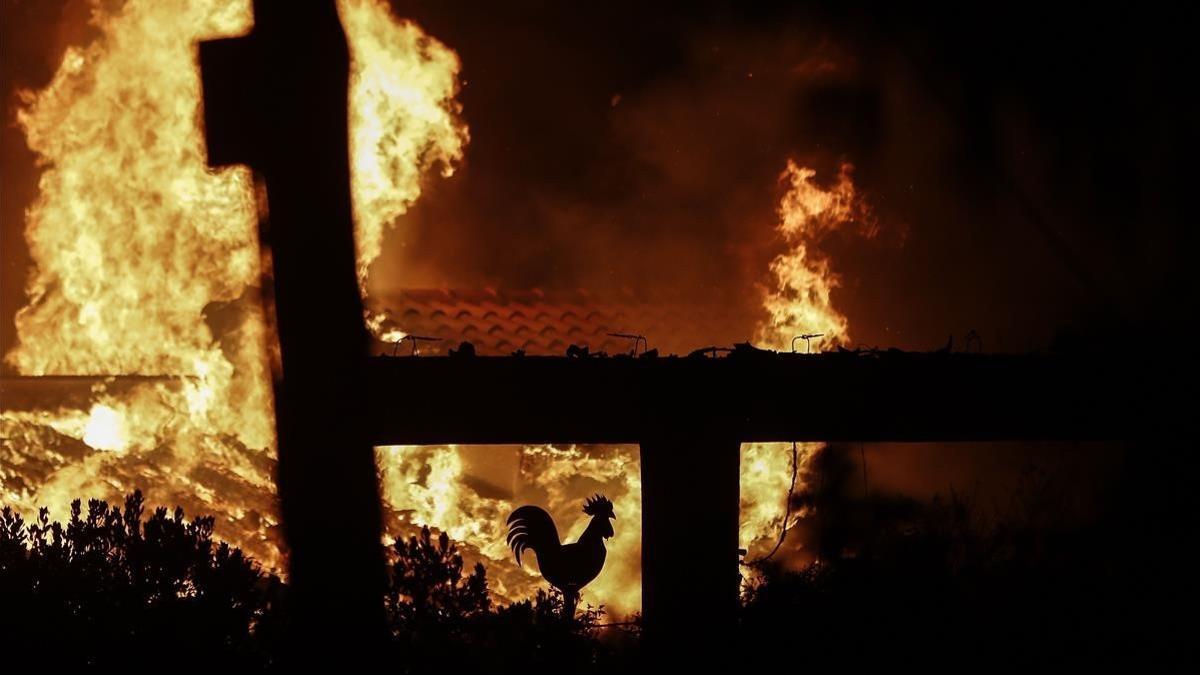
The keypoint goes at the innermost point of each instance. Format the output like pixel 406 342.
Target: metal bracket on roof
pixel 414 339
pixel 806 337
pixel 636 339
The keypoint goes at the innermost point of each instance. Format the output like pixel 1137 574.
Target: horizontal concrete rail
pixel 765 397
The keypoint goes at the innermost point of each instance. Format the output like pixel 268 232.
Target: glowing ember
pixel 105 429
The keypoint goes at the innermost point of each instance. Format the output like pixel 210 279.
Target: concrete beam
pixel 767 397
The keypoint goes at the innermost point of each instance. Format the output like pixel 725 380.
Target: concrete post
pixel 277 99
pixel 690 583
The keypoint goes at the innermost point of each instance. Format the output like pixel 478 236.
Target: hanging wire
pixel 863 454
pixel 787 513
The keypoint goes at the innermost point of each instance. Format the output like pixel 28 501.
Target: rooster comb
pixel 598 505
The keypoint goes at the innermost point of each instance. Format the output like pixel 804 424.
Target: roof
pixel 546 323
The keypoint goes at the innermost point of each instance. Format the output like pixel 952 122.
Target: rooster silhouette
pixel 568 567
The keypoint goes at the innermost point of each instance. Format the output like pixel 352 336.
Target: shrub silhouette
pixel 936 583
pixel 427 589
pixel 948 584
pixel 443 620
pixel 111 588
pixel 114 588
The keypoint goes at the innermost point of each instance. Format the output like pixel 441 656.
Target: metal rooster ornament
pixel 568 567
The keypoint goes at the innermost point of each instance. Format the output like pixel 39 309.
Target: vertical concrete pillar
pixel 277 99
pixel 690 584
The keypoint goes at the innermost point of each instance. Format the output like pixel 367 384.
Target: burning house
pixel 184 398
pixel 200 299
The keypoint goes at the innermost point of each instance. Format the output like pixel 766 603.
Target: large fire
pixel 147 263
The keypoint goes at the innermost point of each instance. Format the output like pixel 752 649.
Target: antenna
pixel 807 337
pixel 974 340
pixel 414 339
pixel 635 338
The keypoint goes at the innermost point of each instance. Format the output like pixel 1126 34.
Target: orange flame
pixel 403 118
pixel 147 262
pixel 433 486
pixel 798 301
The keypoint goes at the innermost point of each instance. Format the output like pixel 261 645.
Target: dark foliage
pixel 949 585
pixel 427 590
pixel 900 583
pixel 113 589
pixel 443 620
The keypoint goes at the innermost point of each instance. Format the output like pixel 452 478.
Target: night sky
pixel 1031 172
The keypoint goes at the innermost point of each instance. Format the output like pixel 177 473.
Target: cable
pixel 787 513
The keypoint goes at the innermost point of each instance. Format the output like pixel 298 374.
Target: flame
pixel 403 118
pixel 797 301
pixel 147 262
pixel 431 486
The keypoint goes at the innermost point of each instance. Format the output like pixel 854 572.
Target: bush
pixel 443 620
pixel 944 585
pixel 427 590
pixel 111 589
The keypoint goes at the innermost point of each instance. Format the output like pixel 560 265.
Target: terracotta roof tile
pixel 545 323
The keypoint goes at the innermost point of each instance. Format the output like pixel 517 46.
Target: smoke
pixel 853 492
pixel 1022 170
pixel 664 185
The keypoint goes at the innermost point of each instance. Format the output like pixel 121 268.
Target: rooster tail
pixel 530 527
